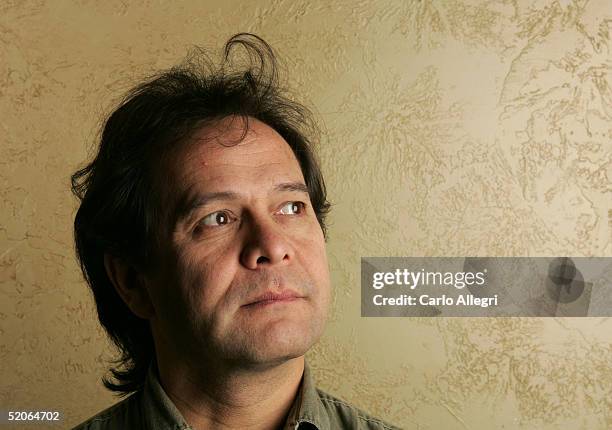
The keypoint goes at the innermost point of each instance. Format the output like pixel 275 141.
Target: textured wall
pixel 452 128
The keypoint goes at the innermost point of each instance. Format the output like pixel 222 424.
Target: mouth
pixel 272 298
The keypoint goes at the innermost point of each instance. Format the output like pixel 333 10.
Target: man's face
pixel 244 276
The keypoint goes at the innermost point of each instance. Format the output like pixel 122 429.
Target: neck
pixel 224 397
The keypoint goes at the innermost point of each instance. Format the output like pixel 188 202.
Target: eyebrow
pixel 188 205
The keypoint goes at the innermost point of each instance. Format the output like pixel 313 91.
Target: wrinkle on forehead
pixel 214 150
pixel 262 149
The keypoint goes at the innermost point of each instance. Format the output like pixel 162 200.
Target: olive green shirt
pixel 151 408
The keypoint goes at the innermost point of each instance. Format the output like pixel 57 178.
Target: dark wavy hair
pixel 121 189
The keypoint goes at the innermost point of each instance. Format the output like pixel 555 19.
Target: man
pixel 201 235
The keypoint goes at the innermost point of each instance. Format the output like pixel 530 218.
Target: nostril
pixel 262 259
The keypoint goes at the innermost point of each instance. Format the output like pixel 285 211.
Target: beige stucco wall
pixel 451 128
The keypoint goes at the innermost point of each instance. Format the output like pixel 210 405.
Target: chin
pixel 281 343
pixel 284 347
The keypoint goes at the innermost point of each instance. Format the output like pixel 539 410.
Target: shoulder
pixel 344 415
pixel 120 415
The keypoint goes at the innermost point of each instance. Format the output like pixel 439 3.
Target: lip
pixel 273 297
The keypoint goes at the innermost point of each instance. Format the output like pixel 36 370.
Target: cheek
pixel 203 284
pixel 315 262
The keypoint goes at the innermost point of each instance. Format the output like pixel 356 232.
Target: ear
pixel 130 286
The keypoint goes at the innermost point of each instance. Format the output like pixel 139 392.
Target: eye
pixel 216 219
pixel 292 208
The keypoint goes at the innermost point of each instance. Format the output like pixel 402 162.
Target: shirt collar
pixel 307 407
pixel 158 409
pixel 160 412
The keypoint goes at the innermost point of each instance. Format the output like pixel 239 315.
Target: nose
pixel 265 244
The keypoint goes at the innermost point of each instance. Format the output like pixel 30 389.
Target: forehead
pixel 228 155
